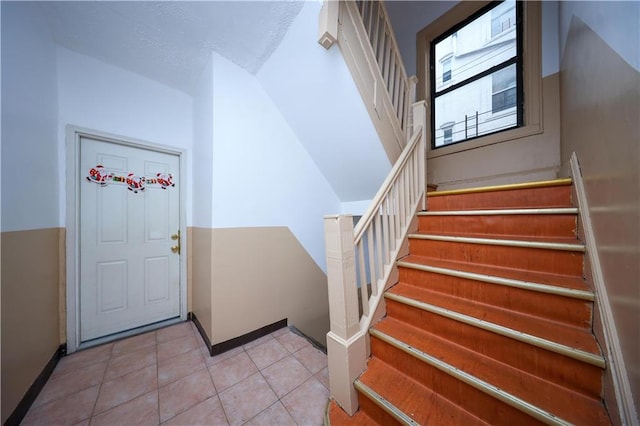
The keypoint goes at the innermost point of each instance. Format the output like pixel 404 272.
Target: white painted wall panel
pixel 262 175
pixel 203 148
pixel 96 95
pixel 30 184
pixel 314 91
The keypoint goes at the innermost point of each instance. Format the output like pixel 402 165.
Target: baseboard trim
pixel 227 345
pixel 192 317
pixel 27 400
pixel 249 337
pixel 310 339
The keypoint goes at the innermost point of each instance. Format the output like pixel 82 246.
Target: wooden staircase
pixel 491 320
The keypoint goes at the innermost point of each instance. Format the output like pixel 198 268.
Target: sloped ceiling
pixel 171 41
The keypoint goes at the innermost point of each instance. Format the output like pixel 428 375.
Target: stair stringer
pixel 617 389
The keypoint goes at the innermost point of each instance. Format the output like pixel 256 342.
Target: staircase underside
pixel 491 319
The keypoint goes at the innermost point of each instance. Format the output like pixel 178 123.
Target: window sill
pixel 496 138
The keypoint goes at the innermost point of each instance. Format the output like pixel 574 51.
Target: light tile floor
pixel 167 377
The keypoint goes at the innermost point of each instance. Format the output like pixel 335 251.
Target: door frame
pixel 72 223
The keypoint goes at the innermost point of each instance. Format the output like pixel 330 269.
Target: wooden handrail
pixel 363 258
pixel 374 15
pixel 369 215
pixel 365 36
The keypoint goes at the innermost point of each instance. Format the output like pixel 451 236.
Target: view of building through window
pixel 474 87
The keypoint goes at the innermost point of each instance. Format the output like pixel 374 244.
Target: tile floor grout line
pixel 226 416
pixel 224 411
pixel 215 388
pixel 104 374
pixel 287 351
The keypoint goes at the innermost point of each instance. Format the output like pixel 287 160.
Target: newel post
pixel 346 344
pixel 420 120
pixel 328 23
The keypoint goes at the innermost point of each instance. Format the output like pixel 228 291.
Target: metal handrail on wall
pixel 363 259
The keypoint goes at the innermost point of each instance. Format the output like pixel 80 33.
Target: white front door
pixel 129 239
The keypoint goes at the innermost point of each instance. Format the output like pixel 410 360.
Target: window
pixel 446 70
pixel 448 134
pixel 515 122
pixel 487 75
pixel 504 89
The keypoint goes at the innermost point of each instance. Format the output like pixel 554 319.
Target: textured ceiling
pixel 171 41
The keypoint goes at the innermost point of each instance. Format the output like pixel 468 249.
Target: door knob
pixel 176 248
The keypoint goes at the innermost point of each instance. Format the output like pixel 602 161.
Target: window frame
pixel 531 75
pixel 434 93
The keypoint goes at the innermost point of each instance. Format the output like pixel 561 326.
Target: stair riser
pixel 376 413
pixel 575 312
pixel 474 401
pixel 558 196
pixel 573 374
pixel 412 398
pixel 526 258
pixel 560 226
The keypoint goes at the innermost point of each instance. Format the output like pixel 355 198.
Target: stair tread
pixel 338 417
pixel 412 398
pixel 503 237
pixel 505 187
pixel 504 198
pixel 556 332
pixel 551 397
pixel 556 303
pixel 530 211
pixel 533 227
pixel 566 281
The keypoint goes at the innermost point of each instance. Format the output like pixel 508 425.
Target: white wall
pixel 262 176
pixel 314 91
pixel 30 184
pixel 203 148
pixel 616 22
pixel 100 96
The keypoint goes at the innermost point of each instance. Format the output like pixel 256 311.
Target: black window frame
pixel 518 60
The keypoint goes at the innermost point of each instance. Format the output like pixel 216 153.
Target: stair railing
pixel 360 262
pixel 365 37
